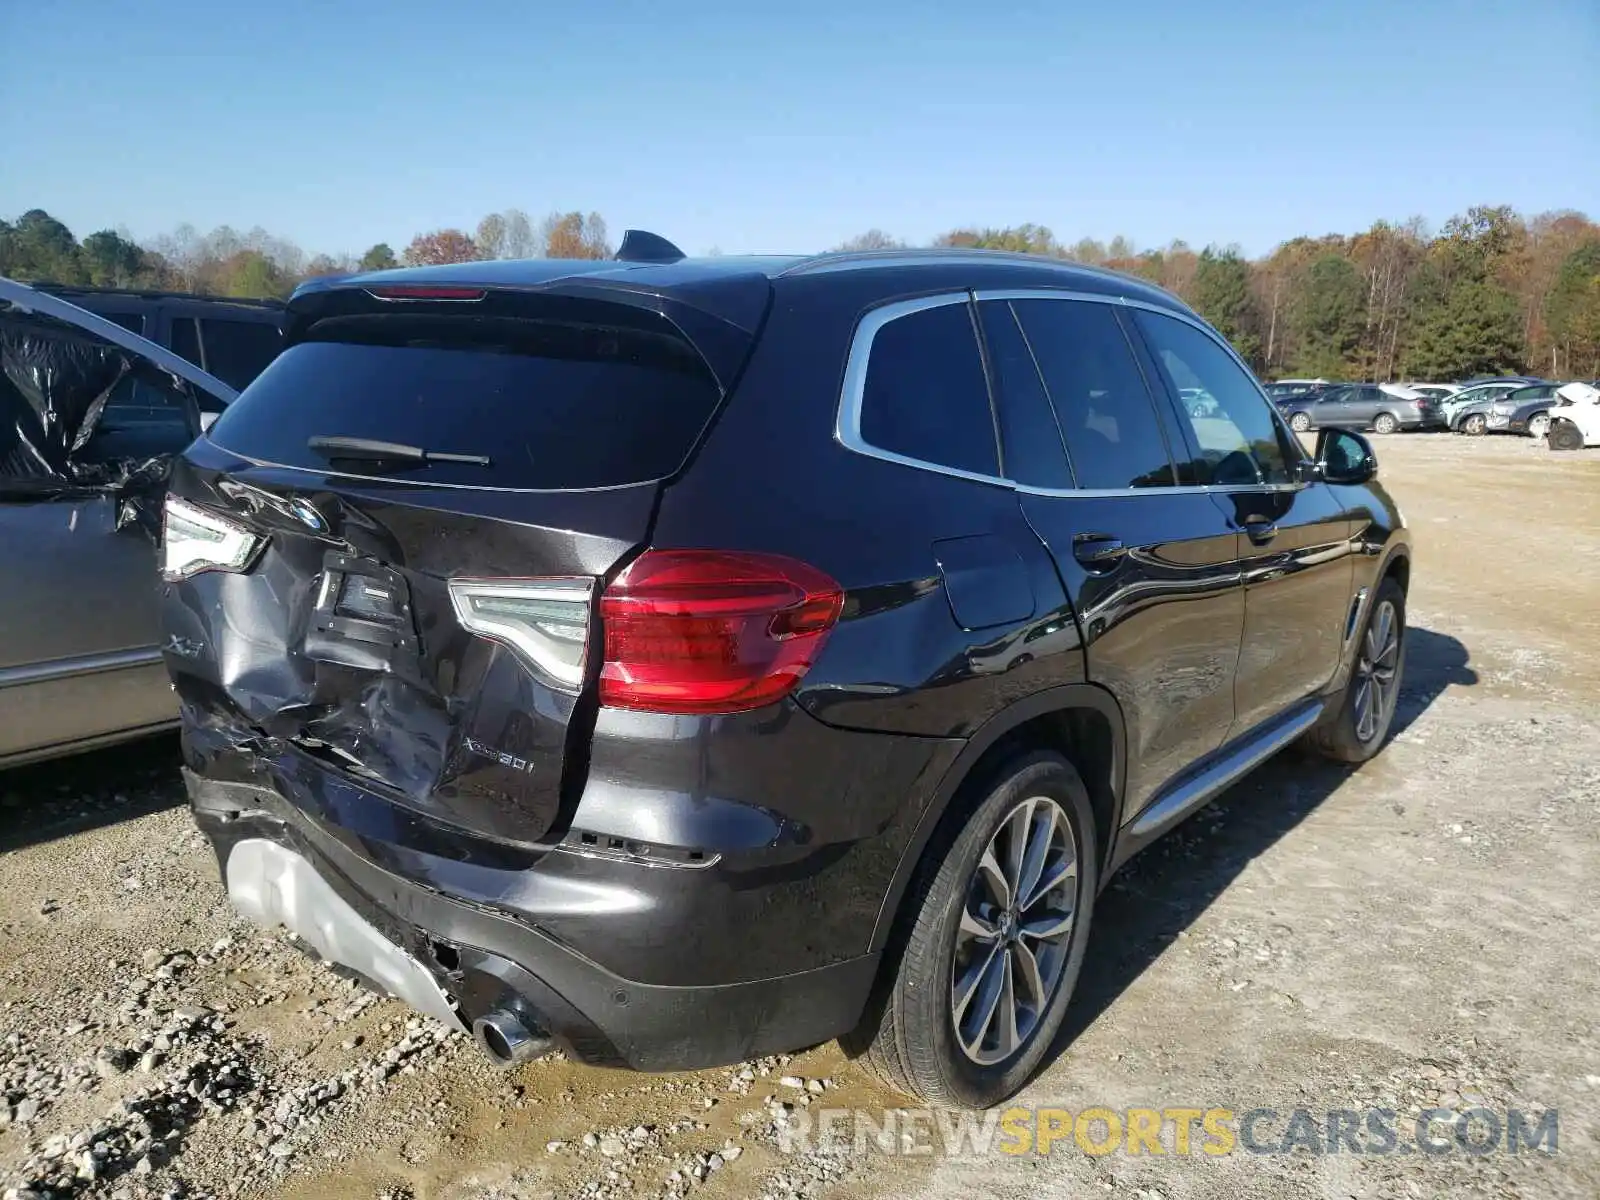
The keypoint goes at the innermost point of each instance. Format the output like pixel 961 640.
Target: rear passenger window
pixel 186 340
pixel 238 351
pixel 926 396
pixel 1101 402
pixel 1239 442
pixel 1029 437
pixel 131 321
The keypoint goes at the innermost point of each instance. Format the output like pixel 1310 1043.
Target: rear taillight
pixel 712 631
pixel 546 621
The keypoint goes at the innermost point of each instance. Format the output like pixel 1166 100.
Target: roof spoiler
pixel 642 246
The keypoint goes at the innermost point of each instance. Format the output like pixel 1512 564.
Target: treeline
pixel 1491 291
pixel 258 265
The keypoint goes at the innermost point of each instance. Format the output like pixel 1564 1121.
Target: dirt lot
pixel 1423 931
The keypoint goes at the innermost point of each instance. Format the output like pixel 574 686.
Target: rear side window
pixel 1104 409
pixel 553 404
pixel 1230 421
pixel 133 322
pixel 238 351
pixel 1034 454
pixel 926 396
pixel 186 340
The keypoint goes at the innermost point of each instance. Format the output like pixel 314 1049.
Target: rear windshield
pixel 552 404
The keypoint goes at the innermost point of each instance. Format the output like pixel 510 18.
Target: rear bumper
pixel 484 960
pixel 714 897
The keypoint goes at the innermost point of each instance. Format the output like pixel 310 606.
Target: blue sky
pixel 754 126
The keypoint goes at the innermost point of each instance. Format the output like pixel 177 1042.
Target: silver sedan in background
pixel 90 417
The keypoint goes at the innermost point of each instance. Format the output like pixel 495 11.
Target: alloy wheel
pixel 1015 931
pixel 1475 424
pixel 1539 425
pixel 1385 423
pixel 1377 680
pixel 1300 422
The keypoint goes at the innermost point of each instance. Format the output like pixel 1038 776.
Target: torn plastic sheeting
pixel 56 384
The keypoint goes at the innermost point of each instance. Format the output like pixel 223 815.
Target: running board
pixel 1249 752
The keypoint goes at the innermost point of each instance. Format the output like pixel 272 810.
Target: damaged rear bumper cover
pixel 461 960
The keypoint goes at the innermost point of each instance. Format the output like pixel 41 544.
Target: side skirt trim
pixel 1190 792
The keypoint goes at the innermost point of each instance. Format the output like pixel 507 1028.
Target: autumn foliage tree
pixel 440 247
pixel 573 235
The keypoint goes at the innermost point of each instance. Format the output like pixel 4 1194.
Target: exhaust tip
pixel 507 1039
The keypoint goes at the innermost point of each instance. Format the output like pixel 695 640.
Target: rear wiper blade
pixel 372 450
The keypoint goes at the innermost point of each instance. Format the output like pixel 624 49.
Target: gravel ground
pixel 1420 932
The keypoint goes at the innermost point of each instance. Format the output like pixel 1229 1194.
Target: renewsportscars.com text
pixel 1177 1131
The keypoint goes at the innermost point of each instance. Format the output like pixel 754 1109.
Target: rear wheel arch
pixel 1081 722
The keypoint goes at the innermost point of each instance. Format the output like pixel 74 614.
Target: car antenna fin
pixel 640 245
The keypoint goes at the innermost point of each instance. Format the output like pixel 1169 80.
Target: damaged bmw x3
pixel 684 660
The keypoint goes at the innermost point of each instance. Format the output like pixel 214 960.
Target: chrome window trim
pixel 847 426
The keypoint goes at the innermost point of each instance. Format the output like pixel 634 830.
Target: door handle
pixel 1260 530
pixel 1097 550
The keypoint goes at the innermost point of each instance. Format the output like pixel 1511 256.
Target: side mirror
pixel 1344 456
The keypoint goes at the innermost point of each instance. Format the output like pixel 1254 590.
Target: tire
pixel 1538 425
pixel 909 1037
pixel 1475 425
pixel 1344 734
pixel 1300 422
pixel 1385 423
pixel 1564 435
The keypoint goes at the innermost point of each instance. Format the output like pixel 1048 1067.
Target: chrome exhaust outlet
pixel 507 1038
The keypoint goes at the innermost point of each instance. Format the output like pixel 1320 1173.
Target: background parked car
pixel 1468 410
pixel 229 338
pixel 1289 389
pixel 1575 421
pixel 81 483
pixel 1439 391
pixel 1387 408
pixel 1525 410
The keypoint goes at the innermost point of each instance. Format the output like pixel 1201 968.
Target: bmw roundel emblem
pixel 306 514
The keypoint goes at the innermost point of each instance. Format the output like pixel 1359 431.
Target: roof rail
pixel 640 245
pixel 54 286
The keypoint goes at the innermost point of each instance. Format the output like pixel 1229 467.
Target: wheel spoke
pixel 1060 873
pixel 1363 705
pixel 1026 969
pixel 994 878
pixel 974 926
pixel 968 985
pixel 1047 927
pixel 989 994
pixel 1040 837
pixel 1017 827
pixel 1007 1012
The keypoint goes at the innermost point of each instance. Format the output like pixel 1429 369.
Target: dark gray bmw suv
pixel 689 660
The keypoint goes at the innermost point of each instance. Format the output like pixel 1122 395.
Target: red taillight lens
pixel 412 292
pixel 712 631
